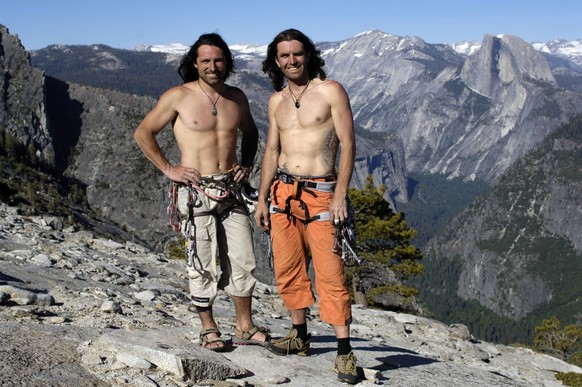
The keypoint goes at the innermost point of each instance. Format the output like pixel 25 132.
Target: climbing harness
pixel 307 186
pixel 184 223
pixel 344 235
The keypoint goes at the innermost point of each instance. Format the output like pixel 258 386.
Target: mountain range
pixel 568 49
pixel 472 112
pixel 404 86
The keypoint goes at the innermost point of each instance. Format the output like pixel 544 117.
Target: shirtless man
pixel 308 119
pixel 205 114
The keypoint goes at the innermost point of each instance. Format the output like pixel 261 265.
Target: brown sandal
pixel 246 337
pixel 205 342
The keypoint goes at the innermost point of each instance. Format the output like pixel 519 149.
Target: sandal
pixel 205 342
pixel 246 337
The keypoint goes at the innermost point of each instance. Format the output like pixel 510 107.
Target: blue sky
pixel 129 23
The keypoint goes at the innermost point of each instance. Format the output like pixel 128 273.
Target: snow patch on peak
pixel 561 47
pixel 251 49
pixel 172 48
pixel 465 47
pixel 181 49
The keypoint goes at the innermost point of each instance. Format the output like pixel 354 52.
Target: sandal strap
pixel 212 341
pixel 208 331
pixel 246 335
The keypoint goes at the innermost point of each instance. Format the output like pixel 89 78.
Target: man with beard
pixel 205 114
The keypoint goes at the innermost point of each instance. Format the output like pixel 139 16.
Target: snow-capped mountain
pixel 248 51
pixel 172 48
pixel 241 51
pixel 466 47
pixel 569 49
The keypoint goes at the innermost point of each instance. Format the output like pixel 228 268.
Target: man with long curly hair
pixel 206 114
pixel 302 198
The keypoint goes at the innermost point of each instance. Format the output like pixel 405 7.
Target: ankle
pixel 301 330
pixel 343 346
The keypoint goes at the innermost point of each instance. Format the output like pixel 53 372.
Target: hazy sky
pixel 129 23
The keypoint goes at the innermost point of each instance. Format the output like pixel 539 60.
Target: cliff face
pixel 387 166
pixel 520 245
pixel 120 182
pixel 502 61
pixel 471 117
pixel 86 134
pixel 22 98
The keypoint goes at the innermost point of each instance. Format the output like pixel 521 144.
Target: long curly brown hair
pixel 187 70
pixel 314 64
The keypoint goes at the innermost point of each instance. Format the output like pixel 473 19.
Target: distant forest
pixel 134 72
pixel 435 200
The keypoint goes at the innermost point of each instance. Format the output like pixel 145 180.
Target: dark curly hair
pixel 314 64
pixel 189 73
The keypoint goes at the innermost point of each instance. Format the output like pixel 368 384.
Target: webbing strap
pixel 321 217
pixel 172 210
pixel 228 187
pixel 307 186
pixel 298 182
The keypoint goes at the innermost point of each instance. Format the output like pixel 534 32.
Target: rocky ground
pixel 78 310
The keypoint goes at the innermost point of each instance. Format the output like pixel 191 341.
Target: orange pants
pixel 293 240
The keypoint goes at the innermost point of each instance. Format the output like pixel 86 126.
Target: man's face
pixel 291 59
pixel 210 64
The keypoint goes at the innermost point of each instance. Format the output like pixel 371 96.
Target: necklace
pixel 214 111
pixel 297 100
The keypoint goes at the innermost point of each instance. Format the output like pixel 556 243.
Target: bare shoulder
pixel 333 92
pixel 331 86
pixel 176 92
pixel 275 98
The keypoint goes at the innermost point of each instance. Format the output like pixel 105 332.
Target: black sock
pixel 301 330
pixel 343 346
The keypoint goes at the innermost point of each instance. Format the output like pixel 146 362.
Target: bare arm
pixel 145 136
pixel 268 168
pixel 344 127
pixel 249 140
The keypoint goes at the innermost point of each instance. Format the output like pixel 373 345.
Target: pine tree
pixel 12 147
pixel 382 240
pixel 565 344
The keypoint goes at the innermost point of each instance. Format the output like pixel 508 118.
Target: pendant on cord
pixel 297 100
pixel 214 111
